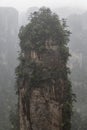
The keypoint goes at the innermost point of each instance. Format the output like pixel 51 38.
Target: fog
pixel 16 13
pixel 25 4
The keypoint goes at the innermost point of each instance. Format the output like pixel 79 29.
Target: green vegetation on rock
pixel 43 60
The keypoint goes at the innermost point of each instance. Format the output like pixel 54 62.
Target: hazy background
pixel 22 5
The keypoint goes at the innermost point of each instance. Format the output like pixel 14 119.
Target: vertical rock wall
pixel 8 56
pixel 45 111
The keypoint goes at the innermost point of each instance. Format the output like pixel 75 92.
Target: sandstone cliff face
pixel 44 112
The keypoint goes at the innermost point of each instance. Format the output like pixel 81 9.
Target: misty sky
pixel 24 4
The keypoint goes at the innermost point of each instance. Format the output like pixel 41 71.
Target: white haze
pixel 22 5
